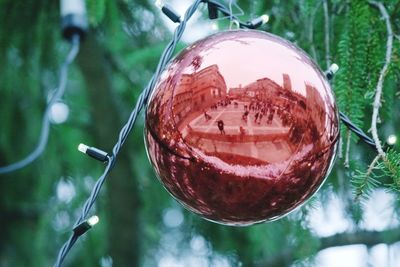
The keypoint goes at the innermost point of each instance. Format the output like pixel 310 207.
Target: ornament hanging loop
pixel 234 24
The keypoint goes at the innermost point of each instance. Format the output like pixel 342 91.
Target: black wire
pixel 355 129
pixel 350 125
pixel 57 95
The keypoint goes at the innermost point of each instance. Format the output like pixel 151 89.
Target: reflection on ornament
pixel 242 127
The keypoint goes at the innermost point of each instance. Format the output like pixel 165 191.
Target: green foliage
pixel 391 168
pixel 382 167
pixel 364 183
pixel 352 53
pixel 96 10
pixel 362 52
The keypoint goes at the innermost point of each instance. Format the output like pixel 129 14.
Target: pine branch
pixel 390 166
pixel 379 86
pixel 347 153
pixel 340 152
pixel 367 238
pixel 364 182
pixel 352 58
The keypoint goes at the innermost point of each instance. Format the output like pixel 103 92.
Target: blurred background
pixel 352 221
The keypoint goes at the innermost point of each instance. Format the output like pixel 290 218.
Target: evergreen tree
pixel 39 203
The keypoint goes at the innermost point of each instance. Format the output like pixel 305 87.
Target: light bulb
pixel 334 68
pixel 73 19
pixel 392 139
pixel 58 113
pixel 214 26
pixel 76 7
pixel 264 18
pixel 159 3
pixel 93 220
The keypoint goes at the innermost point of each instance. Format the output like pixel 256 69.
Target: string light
pixel 258 22
pixel 264 18
pixel 159 3
pixel 93 220
pixel 84 226
pixel 72 8
pixel 45 129
pixel 168 11
pixel 331 71
pixel 214 26
pixel 391 140
pixel 74 27
pixel 141 102
pixel 73 18
pixel 58 113
pixel 94 152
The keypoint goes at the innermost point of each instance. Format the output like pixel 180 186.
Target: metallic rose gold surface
pixel 242 127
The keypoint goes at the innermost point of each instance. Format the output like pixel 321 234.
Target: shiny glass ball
pixel 242 127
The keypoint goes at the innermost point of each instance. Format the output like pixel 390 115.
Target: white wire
pixel 44 132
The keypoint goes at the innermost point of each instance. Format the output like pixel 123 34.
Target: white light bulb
pixel 264 18
pixel 83 148
pixel 58 113
pixel 159 3
pixel 334 68
pixel 392 139
pixel 76 7
pixel 93 220
pixel 214 26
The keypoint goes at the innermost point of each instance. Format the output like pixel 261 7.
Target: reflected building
pixel 183 96
pixel 236 92
pixel 316 106
pixel 278 118
pixel 197 92
pixel 209 87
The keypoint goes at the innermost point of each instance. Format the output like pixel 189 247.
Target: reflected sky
pixel 257 69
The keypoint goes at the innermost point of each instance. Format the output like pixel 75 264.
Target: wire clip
pixel 93 152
